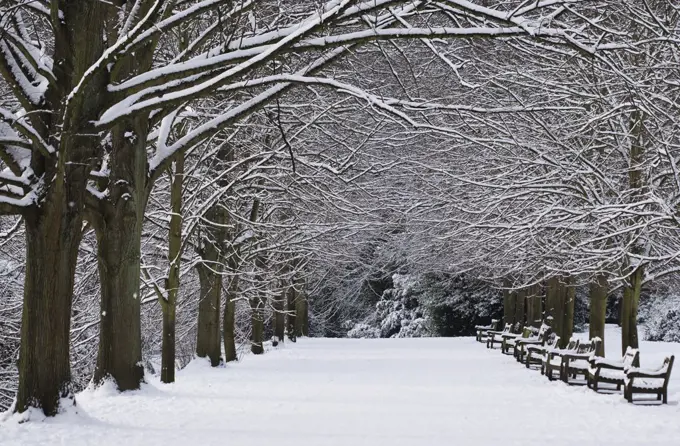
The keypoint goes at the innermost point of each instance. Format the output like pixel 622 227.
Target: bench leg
pixel 665 397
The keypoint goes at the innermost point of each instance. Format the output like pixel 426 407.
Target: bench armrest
pixel 510 335
pixel 635 372
pixel 604 364
pixel 575 356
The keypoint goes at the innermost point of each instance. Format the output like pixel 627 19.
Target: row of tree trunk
pixel 553 303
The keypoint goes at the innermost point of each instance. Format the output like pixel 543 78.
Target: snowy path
pixel 361 392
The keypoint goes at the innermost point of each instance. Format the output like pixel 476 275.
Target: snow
pixel 424 391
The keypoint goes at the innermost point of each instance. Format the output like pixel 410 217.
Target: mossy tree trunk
pixel 257 306
pixel 279 307
pixel 599 289
pixel 509 301
pixel 520 306
pixel 229 312
pixel 210 279
pixel 537 306
pixel 169 303
pixel 214 253
pixel 291 314
pixel 54 228
pixel 301 328
pixel 118 220
pixel 303 315
pixel 629 310
pixel 637 185
pixel 560 299
pixel 53 234
pixel 118 224
pixel 568 311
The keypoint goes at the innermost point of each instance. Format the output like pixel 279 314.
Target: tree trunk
pixel 520 306
pixel 537 301
pixel 210 279
pixel 118 257
pixel 229 321
pixel 118 224
pixel 54 224
pixel 257 305
pixel 291 314
pixel 598 310
pixel 53 234
pixel 570 300
pixel 300 312
pixel 168 352
pixel 169 305
pixel 280 317
pixel 303 314
pixel 509 300
pixel 560 299
pixel 552 290
pixel 629 311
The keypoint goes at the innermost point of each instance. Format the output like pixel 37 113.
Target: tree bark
pixel 169 305
pixel 291 314
pixel 629 311
pixel 509 300
pixel 551 292
pixel 210 279
pixel 537 301
pixel 280 317
pixel 560 299
pixel 54 227
pixel 520 307
pixel 570 300
pixel 53 235
pixel 303 314
pixel 257 305
pixel 300 312
pixel 229 313
pixel 598 310
pixel 118 257
pixel 118 224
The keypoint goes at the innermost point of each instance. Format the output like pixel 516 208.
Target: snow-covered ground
pixel 363 392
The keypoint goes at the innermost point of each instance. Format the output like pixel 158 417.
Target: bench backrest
pixel 517 328
pixel 544 332
pixel 589 347
pixel 572 345
pixel 507 328
pixel 495 323
pixel 668 365
pixel 553 340
pixel 631 358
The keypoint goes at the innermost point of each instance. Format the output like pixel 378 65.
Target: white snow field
pixel 428 391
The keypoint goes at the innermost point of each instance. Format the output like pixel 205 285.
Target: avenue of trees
pixel 187 177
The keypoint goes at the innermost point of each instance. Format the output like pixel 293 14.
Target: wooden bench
pixel 578 363
pixel 540 339
pixel 494 336
pixel 510 340
pixel 602 370
pixel 482 330
pixel 649 381
pixel 552 360
pixel 535 353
